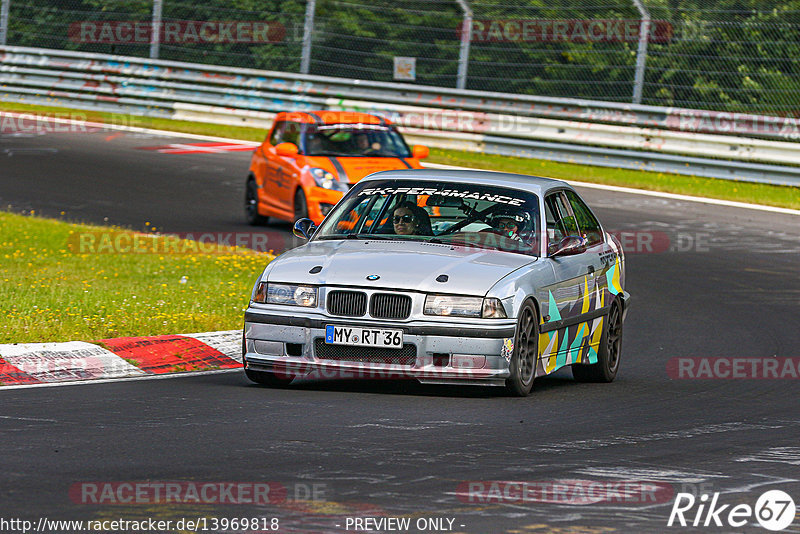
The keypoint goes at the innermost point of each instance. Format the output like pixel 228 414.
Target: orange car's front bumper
pixel 320 202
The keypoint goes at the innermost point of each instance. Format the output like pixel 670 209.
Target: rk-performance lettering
pixel 473 195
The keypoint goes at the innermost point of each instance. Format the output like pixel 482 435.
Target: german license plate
pixel 363 337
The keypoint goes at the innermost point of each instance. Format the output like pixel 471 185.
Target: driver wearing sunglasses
pixel 410 219
pixel 404 221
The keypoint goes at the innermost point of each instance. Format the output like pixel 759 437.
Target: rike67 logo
pixel 774 510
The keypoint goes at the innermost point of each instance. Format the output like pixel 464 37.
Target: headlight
pixel 451 306
pixel 288 294
pixel 327 180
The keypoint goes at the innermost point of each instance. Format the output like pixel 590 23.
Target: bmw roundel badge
pixel 373 277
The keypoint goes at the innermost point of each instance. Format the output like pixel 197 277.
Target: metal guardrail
pixel 719 145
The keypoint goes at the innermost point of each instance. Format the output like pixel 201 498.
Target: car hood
pixel 359 167
pixel 399 264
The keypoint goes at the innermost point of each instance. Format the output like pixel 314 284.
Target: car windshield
pixel 354 140
pixel 467 215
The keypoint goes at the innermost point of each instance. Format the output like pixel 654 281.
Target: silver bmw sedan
pixel 446 277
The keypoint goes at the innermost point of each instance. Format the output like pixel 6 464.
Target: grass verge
pixel 770 195
pixel 54 289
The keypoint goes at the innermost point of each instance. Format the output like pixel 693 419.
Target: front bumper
pixel 443 352
pixel 625 297
pixel 319 197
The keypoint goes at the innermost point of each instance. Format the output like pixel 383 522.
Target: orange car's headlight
pixel 327 180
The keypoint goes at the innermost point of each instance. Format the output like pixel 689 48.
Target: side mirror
pixel 288 150
pixel 419 152
pixel 304 228
pixel 569 246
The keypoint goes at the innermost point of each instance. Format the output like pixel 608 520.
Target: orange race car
pixel 310 159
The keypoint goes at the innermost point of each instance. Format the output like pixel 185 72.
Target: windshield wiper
pixel 332 154
pixel 379 237
pixel 374 237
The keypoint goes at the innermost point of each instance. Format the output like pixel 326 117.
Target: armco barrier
pixel 714 144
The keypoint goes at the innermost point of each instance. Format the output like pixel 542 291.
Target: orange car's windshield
pixel 354 140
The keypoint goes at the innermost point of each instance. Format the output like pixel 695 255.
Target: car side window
pixel 554 231
pixel 394 144
pixel 277 133
pixel 291 133
pixel 589 225
pixel 560 222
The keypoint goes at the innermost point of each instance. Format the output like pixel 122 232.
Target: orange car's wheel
pixel 300 205
pixel 251 205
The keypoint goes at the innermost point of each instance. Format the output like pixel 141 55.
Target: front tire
pixel 300 205
pixel 251 205
pixel 526 353
pixel 609 352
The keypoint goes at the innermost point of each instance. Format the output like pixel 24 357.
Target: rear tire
pixel 251 205
pixel 300 205
pixel 266 378
pixel 526 353
pixel 609 352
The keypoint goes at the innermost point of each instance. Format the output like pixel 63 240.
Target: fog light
pixel 325 208
pixel 269 348
pixel 468 361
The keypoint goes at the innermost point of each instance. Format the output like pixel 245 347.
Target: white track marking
pixel 635 439
pixel 136 129
pixel 644 473
pixel 632 191
pixel 28 419
pixel 784 455
pixel 73 360
pixel 228 342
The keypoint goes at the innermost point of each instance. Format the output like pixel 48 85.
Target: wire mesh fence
pixel 729 55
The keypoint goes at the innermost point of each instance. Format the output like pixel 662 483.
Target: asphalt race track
pixel 714 282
